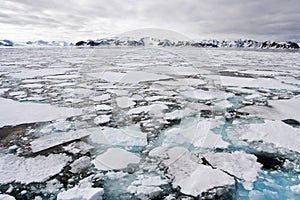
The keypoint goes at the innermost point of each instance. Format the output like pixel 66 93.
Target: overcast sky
pixel 73 20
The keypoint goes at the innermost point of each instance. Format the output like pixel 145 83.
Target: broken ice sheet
pixel 239 164
pixel 14 113
pixel 115 159
pixel 194 133
pixel 126 137
pixel 276 109
pixel 184 168
pixel 48 141
pixel 276 133
pixel 28 170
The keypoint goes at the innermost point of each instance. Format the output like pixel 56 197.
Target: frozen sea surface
pixel 149 123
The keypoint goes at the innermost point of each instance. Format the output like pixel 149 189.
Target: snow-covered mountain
pixel 155 41
pixel 148 41
pixel 35 43
pixel 7 43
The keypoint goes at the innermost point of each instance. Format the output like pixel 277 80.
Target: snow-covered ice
pixel 115 159
pixel 81 194
pixel 274 133
pixel 52 140
pixel 146 123
pixel 239 164
pixel 30 170
pixel 127 136
pixel 14 113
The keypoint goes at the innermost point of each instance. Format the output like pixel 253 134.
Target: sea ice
pixel 126 136
pixel 268 83
pixel 182 166
pixel 124 102
pixel 103 107
pixel 239 164
pixel 115 159
pixel 135 77
pixel 153 109
pixel 48 141
pixel 29 170
pixel 203 95
pixel 102 119
pixel 77 193
pixel 277 133
pixel 103 97
pixel 195 132
pixel 295 189
pixel 6 197
pixel 13 113
pixel 80 164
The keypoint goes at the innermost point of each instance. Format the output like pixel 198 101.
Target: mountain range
pixel 149 41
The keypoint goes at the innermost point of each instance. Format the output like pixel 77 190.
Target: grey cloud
pixel 260 19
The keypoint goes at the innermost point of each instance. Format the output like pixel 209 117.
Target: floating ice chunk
pixel 295 189
pixel 77 193
pixel 29 170
pixel 80 164
pixel 239 164
pixel 140 191
pixel 78 147
pixel 103 107
pixel 154 109
pixel 271 132
pixel 55 139
pixel 110 76
pixel 181 165
pixel 18 93
pixel 149 181
pixel 224 104
pixel 33 85
pixel 124 102
pixel 102 119
pixel 288 109
pixel 277 109
pixel 13 113
pixel 6 197
pixel 115 159
pixel 63 77
pixel 179 114
pixel 268 83
pixel 103 97
pixel 210 178
pixel 203 95
pixel 3 90
pixel 195 132
pixel 31 73
pixel 127 136
pixel 135 77
pixel 253 96
pixel 181 82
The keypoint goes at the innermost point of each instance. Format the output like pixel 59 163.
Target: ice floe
pixel 184 169
pixel 115 159
pixel 274 133
pixel 196 133
pixel 13 113
pixel 269 83
pixel 126 136
pixel 239 164
pixel 48 141
pixel 77 193
pixel 29 170
pixel 124 102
